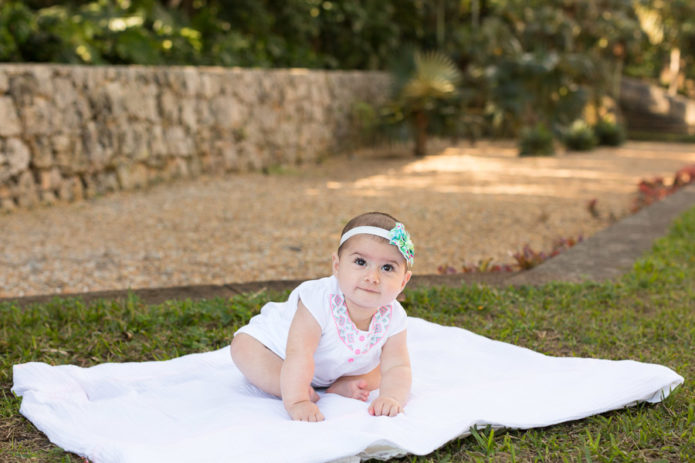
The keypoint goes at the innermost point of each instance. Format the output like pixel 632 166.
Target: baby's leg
pixel 357 387
pixel 259 364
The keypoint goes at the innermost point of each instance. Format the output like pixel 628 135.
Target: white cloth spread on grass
pixel 200 408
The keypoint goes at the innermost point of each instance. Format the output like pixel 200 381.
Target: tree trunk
pixel 617 79
pixel 674 70
pixel 420 124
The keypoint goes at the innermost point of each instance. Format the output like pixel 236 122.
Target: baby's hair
pixel 371 219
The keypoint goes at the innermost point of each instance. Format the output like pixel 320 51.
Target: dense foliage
pixel 272 33
pixel 350 34
pixel 522 62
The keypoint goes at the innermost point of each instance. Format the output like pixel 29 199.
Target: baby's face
pixel 370 272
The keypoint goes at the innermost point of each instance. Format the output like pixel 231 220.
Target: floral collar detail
pixel 359 342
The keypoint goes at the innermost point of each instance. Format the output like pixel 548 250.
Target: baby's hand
pixel 305 410
pixel 385 406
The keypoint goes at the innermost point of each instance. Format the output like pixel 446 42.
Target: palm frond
pixel 435 76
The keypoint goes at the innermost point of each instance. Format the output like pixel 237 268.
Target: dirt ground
pixel 462 204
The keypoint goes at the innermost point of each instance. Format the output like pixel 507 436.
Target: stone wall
pixel 70 132
pixel 651 109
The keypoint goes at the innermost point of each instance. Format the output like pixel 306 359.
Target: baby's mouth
pixel 372 291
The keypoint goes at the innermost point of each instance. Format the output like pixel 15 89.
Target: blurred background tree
pixel 522 63
pixel 421 88
pixel 668 55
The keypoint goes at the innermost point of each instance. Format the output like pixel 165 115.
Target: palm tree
pixel 433 79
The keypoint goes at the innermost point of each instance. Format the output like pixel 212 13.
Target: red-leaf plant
pixel 525 259
pixel 651 191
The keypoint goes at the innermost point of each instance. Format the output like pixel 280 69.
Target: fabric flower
pixel 399 237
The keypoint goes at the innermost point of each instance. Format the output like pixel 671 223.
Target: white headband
pixel 397 236
pixel 365 230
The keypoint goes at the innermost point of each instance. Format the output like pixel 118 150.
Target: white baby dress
pixel 343 349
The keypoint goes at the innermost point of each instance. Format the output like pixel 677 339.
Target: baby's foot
pixel 350 388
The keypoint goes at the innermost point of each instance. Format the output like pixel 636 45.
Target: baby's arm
pixel 396 377
pixel 298 367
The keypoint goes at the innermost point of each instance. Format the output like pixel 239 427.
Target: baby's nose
pixel 373 274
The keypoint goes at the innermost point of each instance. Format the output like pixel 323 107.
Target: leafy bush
pixel 580 137
pixel 366 125
pixel 609 133
pixel 536 141
pixel 102 32
pixel 267 33
pixel 16 27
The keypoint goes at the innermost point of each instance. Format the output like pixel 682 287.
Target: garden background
pixel 540 72
pixel 538 65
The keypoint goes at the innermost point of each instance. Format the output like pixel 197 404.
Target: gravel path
pixel 461 205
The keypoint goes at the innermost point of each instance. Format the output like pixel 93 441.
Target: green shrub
pixel 536 141
pixel 16 27
pixel 580 137
pixel 609 133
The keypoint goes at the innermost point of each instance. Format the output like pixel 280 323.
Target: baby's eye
pixel 387 268
pixel 360 261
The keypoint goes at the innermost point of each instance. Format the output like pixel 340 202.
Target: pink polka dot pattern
pixel 358 341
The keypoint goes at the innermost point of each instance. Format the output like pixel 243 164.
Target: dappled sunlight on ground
pixel 481 170
pixel 462 204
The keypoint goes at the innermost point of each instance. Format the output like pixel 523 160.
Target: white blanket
pixel 200 408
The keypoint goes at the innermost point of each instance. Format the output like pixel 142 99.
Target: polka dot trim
pixel 359 342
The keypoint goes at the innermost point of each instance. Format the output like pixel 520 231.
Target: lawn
pixel 648 315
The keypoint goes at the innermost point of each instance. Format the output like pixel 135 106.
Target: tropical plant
pixel 486 50
pixel 431 80
pixel 609 133
pixel 580 136
pixel 536 141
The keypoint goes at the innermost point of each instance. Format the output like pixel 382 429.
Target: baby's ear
pixel 336 261
pixel 406 279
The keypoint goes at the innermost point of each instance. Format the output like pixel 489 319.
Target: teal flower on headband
pixel 400 238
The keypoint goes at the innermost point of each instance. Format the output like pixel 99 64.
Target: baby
pixel 345 332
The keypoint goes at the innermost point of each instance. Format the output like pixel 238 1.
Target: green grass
pixel 642 135
pixel 648 315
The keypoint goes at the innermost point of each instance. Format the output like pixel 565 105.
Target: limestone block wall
pixel 70 132
pixel 651 109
